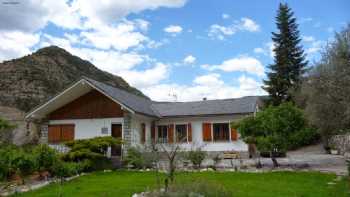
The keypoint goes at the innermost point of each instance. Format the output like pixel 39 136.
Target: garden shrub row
pixel 84 155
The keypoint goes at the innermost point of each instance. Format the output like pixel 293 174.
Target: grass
pixel 125 183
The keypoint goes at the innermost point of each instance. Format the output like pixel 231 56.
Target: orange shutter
pixel 153 132
pixel 234 134
pixel 54 133
pixel 206 132
pixel 170 133
pixel 189 137
pixel 67 133
pixel 143 133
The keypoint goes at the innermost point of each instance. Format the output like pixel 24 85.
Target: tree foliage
pixel 326 92
pixel 289 64
pixel 94 148
pixel 277 129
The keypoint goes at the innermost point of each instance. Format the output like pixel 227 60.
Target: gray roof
pixel 132 101
pixel 174 109
pixel 208 107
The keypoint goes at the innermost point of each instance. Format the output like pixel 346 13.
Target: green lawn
pixel 125 183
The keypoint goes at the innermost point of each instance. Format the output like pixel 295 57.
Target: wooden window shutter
pixel 234 134
pixel 67 133
pixel 153 132
pixel 54 133
pixel 171 133
pixel 189 135
pixel 206 130
pixel 143 133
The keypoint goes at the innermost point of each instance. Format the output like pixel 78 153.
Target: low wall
pixel 341 143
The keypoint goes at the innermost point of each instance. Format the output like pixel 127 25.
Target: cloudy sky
pixel 169 49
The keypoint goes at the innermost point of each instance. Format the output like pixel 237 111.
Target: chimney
pixel 205 98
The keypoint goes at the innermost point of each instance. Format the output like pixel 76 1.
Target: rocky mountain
pixel 28 81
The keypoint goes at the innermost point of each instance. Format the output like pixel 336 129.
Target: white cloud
pixel 242 63
pixel 267 49
pixel 25 16
pixel 225 16
pixel 108 60
pixel 259 50
pixel 316 46
pixel 173 29
pixel 16 43
pixel 202 87
pixel 308 38
pixel 32 15
pixel 249 25
pixel 108 12
pixel 146 78
pixel 305 19
pixel 212 79
pixel 244 24
pixel 120 37
pixel 189 59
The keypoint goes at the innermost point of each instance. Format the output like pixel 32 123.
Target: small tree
pixel 274 129
pixel 196 156
pixel 171 152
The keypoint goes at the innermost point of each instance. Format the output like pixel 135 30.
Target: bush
pixel 91 153
pixel 139 159
pixel 93 149
pixel 66 169
pixel 23 163
pixel 278 128
pixel 45 157
pixel 135 158
pixel 196 156
pixel 304 137
pixel 14 160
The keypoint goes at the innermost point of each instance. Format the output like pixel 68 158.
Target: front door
pixel 117 133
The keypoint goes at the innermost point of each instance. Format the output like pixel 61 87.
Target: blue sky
pixel 170 49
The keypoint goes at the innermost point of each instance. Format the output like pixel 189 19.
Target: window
pixel 60 133
pixel 163 134
pixel 221 132
pixel 181 133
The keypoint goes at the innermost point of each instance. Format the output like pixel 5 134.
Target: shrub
pixel 23 163
pixel 93 149
pixel 66 169
pixel 135 158
pixel 196 156
pixel 91 153
pixel 45 157
pixel 278 128
pixel 304 137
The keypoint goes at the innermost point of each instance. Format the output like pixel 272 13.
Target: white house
pixel 90 108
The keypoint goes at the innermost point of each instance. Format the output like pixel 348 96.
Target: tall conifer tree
pixel 289 63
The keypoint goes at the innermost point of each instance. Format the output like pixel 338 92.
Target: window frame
pixel 186 132
pixel 163 140
pixel 228 132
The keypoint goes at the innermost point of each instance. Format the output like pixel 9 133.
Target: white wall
pixel 89 128
pixel 136 122
pixel 197 138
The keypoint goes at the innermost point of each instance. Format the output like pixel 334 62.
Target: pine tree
pixel 289 64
